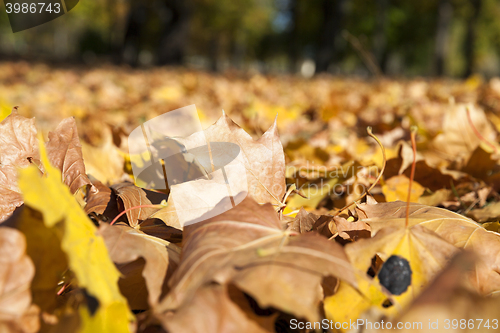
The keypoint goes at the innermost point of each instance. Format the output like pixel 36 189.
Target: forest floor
pixel 344 200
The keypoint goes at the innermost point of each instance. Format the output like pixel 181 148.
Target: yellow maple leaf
pixel 86 251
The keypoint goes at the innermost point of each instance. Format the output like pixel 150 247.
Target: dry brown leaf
pixel 10 196
pixel 306 222
pixel 102 202
pixel 18 149
pixel 456 229
pixel 132 196
pixel 458 140
pixel 44 249
pixel 211 311
pixel 17 314
pixel 126 245
pixel 426 175
pixel 396 188
pixel 352 230
pixel 488 213
pixel 18 141
pixel 247 247
pixel 65 153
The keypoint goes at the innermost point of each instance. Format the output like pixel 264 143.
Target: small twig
pixel 160 206
pixel 455 193
pixel 367 57
pixel 66 285
pixel 412 175
pixel 370 133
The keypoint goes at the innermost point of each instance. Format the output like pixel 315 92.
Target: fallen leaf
pixel 306 222
pixel 247 247
pixel 449 305
pixel 102 202
pixel 214 312
pixel 17 314
pixel 18 141
pixel 261 162
pixel 456 229
pixel 126 245
pixel 352 230
pixel 488 213
pixel 87 254
pixel 44 249
pixel 133 196
pixel 396 188
pixel 65 153
pixel 458 140
pixel 18 149
pixel 104 162
pixel 10 195
pixel 425 252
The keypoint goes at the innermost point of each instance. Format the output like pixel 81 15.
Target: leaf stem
pixel 412 175
pixel 135 207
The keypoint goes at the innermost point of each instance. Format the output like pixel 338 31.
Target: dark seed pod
pixel 395 275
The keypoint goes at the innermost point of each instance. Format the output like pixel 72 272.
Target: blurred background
pixel 453 38
pixel 327 68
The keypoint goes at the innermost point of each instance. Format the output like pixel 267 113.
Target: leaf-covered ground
pixel 324 233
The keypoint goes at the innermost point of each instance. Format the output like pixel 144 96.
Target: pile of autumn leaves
pixel 250 269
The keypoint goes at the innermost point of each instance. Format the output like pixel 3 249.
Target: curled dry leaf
pixel 126 245
pixel 65 153
pixel 456 229
pixel 102 202
pixel 18 149
pixel 10 196
pixel 18 141
pixel 44 249
pixel 459 140
pixel 214 312
pixel 352 230
pixel 427 176
pixel 132 196
pixel 306 222
pixel 247 247
pixel 17 314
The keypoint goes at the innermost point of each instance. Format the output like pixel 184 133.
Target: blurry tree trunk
pixel 174 37
pixel 238 50
pixel 380 39
pixel 133 32
pixel 471 36
pixel 293 43
pixel 333 12
pixel 445 15
pixel 214 52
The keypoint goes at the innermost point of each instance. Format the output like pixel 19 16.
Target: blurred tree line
pixel 393 37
